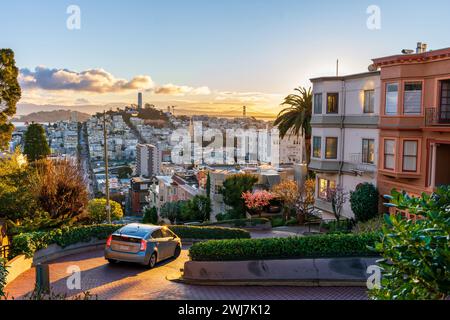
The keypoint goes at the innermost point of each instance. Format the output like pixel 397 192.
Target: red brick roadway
pixel 127 281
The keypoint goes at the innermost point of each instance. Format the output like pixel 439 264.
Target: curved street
pixel 133 282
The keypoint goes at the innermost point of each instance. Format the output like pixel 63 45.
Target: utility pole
pixel 105 141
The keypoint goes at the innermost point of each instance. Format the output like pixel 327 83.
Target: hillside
pixel 53 116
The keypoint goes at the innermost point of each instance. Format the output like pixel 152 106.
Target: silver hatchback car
pixel 143 244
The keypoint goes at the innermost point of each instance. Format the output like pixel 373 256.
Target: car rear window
pixel 133 232
pixel 126 239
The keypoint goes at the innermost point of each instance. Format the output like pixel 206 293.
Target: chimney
pixel 424 47
pixel 421 47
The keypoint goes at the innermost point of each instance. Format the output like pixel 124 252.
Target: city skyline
pixel 203 57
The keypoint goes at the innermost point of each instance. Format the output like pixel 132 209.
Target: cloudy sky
pixel 203 56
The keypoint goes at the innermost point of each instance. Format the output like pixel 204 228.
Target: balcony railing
pixel 361 162
pixel 434 117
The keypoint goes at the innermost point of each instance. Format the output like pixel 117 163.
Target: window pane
pixel 413 98
pixel 391 98
pixel 323 186
pixel 318 103
pixel 333 103
pixel 317 147
pixel 369 101
pixel 368 151
pixel 389 162
pixel 389 156
pixel 445 101
pixel 331 148
pixel 410 148
pixel 389 146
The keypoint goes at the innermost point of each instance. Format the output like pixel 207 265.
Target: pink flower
pixel 257 200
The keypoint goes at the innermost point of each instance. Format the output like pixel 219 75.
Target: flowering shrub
pixel 257 200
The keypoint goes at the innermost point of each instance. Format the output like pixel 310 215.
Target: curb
pixel 271 283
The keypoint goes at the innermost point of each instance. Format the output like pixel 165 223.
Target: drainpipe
pixel 341 164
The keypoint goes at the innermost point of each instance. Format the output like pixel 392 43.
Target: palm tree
pixel 296 117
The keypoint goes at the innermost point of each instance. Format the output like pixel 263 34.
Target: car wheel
pixel 152 261
pixel 177 252
pixel 112 261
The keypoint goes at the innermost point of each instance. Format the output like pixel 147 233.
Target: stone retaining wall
pixel 333 269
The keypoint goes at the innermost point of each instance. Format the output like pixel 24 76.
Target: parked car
pixel 143 244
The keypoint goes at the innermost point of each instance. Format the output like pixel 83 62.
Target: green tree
pixel 296 117
pixel 364 202
pixel 416 254
pixel 97 213
pixel 232 190
pixel 10 94
pixel 150 215
pixel 125 172
pixel 197 209
pixel 16 198
pixel 35 143
pixel 172 211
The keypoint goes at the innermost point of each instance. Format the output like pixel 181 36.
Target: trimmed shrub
pixel 239 222
pixel 29 243
pixel 364 202
pixel 3 274
pixel 323 246
pixel 373 225
pixel 341 226
pixel 277 222
pixel 206 233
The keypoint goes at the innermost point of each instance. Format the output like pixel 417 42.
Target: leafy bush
pixel 97 210
pixel 3 274
pixel 292 222
pixel 373 225
pixel 239 222
pixel 342 226
pixel 277 222
pixel 29 243
pixel 202 233
pixel 364 202
pixel 150 216
pixel 416 253
pixel 323 246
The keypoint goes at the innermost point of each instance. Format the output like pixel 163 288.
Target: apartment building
pixel 148 160
pixel 344 134
pixel 414 121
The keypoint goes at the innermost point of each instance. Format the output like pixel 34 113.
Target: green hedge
pixel 239 222
pixel 3 274
pixel 206 233
pixel 29 243
pixel 323 246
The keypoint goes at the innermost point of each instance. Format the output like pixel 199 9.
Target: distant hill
pixel 53 116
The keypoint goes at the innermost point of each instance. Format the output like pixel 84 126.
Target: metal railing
pixel 361 162
pixel 435 117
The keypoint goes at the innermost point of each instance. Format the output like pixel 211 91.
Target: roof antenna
pixel 337 68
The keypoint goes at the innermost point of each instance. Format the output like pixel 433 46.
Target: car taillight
pixel 108 242
pixel 143 245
